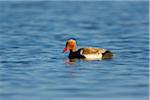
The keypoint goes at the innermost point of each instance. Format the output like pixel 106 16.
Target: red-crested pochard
pixel 89 53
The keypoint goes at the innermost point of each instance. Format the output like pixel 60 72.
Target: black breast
pixel 76 54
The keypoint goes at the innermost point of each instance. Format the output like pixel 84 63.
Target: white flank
pixel 93 56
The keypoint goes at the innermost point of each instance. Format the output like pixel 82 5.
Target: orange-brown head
pixel 70 45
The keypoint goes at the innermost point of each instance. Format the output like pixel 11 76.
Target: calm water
pixel 33 35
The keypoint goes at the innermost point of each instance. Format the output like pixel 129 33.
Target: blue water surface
pixel 33 35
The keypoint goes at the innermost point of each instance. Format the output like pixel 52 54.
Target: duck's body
pixel 89 53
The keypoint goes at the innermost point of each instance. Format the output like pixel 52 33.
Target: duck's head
pixel 70 45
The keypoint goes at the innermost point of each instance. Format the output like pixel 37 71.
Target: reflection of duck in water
pixel 89 53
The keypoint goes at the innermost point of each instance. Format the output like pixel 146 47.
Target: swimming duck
pixel 89 53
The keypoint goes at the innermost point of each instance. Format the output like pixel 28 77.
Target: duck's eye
pixel 71 45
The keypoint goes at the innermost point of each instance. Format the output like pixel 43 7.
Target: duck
pixel 88 53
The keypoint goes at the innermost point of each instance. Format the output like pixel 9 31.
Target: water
pixel 33 35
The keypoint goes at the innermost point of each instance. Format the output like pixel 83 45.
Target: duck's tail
pixel 107 55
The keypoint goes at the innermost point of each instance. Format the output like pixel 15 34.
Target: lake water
pixel 33 35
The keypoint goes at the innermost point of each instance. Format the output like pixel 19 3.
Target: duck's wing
pixel 92 53
pixel 92 50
